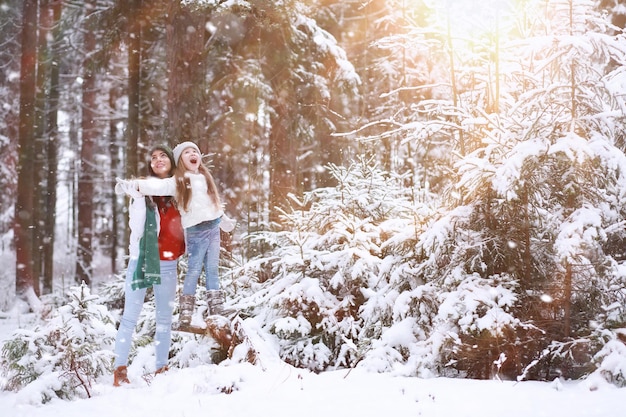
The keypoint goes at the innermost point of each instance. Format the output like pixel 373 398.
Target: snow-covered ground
pixel 273 388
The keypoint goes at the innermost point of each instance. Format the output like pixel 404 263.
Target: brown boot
pixel 120 376
pixel 215 302
pixel 161 370
pixel 187 304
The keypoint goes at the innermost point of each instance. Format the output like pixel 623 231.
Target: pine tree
pixel 64 355
pixel 540 192
pixel 327 273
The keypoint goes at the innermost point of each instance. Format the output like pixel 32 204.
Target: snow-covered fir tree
pixel 323 290
pixel 64 354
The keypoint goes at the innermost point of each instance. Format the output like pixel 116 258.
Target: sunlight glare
pixel 473 19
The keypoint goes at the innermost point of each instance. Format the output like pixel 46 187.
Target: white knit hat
pixel 178 149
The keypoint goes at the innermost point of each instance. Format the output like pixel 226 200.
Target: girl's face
pixel 160 164
pixel 191 159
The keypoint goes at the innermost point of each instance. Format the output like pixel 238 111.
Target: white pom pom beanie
pixel 178 149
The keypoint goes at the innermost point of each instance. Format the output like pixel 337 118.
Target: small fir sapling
pixel 65 354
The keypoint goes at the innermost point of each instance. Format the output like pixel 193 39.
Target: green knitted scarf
pixel 148 271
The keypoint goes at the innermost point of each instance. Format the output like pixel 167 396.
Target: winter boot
pixel 187 304
pixel 120 376
pixel 215 302
pixel 161 370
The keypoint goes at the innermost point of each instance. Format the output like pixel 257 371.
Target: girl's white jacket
pixel 200 208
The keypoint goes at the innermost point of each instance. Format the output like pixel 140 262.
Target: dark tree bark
pixel 116 167
pixel 185 44
pixel 84 253
pixel 283 152
pixel 40 163
pixel 151 86
pixel 567 301
pixel 24 279
pixel 283 145
pixel 52 149
pixel 134 73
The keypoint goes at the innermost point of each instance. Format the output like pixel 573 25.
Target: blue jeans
pixel 164 295
pixel 203 246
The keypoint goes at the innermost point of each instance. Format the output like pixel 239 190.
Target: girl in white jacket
pixel 202 216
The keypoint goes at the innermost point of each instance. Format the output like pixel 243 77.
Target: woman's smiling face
pixel 160 164
pixel 191 159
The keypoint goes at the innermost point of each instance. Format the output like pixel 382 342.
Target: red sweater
pixel 171 236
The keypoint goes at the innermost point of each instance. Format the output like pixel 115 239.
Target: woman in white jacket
pixel 171 245
pixel 202 217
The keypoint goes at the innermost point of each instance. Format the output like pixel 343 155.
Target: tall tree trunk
pixel 40 145
pixel 52 150
pixel 567 301
pixel 527 233
pixel 84 255
pixel 282 162
pixel 283 147
pixel 116 165
pixel 453 84
pixel 24 279
pixel 185 44
pixel 134 59
pixel 151 97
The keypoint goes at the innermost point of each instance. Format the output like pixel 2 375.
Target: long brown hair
pixel 183 185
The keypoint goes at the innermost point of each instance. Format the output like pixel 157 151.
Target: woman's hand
pixel 128 187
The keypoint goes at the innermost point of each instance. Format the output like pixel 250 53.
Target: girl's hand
pixel 227 224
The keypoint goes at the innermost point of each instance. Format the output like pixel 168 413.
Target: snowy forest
pixel 431 188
